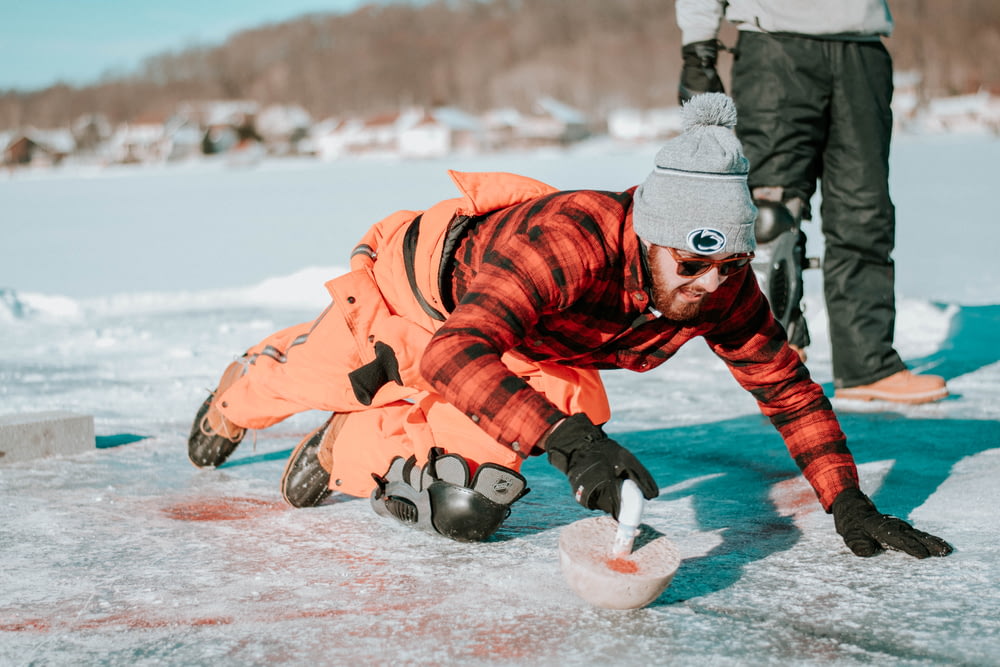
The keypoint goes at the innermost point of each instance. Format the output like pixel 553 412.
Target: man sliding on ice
pixel 470 336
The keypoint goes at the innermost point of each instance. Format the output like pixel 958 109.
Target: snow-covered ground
pixel 127 291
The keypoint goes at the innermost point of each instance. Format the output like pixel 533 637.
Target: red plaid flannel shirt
pixel 560 279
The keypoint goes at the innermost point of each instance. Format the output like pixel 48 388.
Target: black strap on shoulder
pixel 409 255
pixel 457 230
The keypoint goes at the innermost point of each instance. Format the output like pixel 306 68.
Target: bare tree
pixel 479 54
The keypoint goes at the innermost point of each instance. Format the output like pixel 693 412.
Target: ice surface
pixel 126 292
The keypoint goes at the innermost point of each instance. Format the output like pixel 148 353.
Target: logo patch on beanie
pixel 706 241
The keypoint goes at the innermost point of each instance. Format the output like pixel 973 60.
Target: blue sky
pixel 77 41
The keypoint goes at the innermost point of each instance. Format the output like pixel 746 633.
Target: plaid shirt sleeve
pixel 752 344
pixel 541 258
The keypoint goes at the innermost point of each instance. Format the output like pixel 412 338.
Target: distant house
pixel 440 132
pixel 375 134
pixel 143 140
pixel 21 150
pixel 379 134
pixel 184 138
pixel 635 125
pixel 428 137
pixel 330 139
pixel 548 123
pixel 225 124
pixel 466 131
pixel 38 148
pixel 91 133
pixel 551 122
pixel 500 127
pixel 283 128
pixel 208 113
pixel 979 112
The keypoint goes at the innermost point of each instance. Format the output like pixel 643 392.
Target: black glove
pixel 367 380
pixel 867 531
pixel 698 75
pixel 596 465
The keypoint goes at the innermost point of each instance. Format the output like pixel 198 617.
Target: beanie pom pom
pixel 709 109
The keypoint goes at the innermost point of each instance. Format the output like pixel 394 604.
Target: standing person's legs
pixel 781 89
pixel 859 217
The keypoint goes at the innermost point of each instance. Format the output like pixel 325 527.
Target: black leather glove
pixel 596 465
pixel 698 75
pixel 867 531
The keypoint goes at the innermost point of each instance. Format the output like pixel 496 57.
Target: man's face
pixel 678 297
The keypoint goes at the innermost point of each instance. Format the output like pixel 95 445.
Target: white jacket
pixel 863 20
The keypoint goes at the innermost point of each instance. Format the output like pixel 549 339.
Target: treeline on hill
pixel 595 55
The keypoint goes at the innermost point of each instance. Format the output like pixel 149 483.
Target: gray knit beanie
pixel 697 198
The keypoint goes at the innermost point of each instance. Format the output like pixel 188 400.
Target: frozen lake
pixel 128 291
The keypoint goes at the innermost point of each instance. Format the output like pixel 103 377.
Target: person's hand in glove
pixel 698 74
pixel 595 464
pixel 867 531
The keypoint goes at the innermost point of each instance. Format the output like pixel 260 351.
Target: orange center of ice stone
pixel 623 565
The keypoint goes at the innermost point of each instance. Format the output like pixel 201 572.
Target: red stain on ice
pixel 137 620
pixel 36 624
pixel 131 620
pixel 222 509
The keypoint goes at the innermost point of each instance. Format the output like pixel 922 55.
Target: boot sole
pixel 907 399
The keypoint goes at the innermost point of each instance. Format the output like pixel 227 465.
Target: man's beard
pixel 672 308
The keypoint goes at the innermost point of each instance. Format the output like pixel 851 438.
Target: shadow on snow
pixel 742 458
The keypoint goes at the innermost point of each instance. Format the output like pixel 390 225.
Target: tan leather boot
pixel 901 387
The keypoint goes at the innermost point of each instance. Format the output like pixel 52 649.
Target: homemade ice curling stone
pixel 600 565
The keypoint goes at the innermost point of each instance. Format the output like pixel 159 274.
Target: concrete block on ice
pixel 35 435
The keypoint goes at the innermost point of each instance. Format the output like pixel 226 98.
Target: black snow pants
pixel 819 109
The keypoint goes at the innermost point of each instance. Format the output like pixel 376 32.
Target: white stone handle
pixel 629 518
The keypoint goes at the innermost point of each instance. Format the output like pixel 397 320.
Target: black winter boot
pixel 213 437
pixel 305 483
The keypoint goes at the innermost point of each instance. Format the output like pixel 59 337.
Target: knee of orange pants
pixel 572 390
pixel 370 439
pixel 305 367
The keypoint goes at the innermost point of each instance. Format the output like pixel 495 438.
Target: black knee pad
pixel 773 220
pixel 780 259
pixel 440 498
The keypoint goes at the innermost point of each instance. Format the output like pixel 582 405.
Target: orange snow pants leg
pixel 306 366
pixel 371 438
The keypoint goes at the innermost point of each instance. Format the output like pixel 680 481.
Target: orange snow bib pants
pixel 391 297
